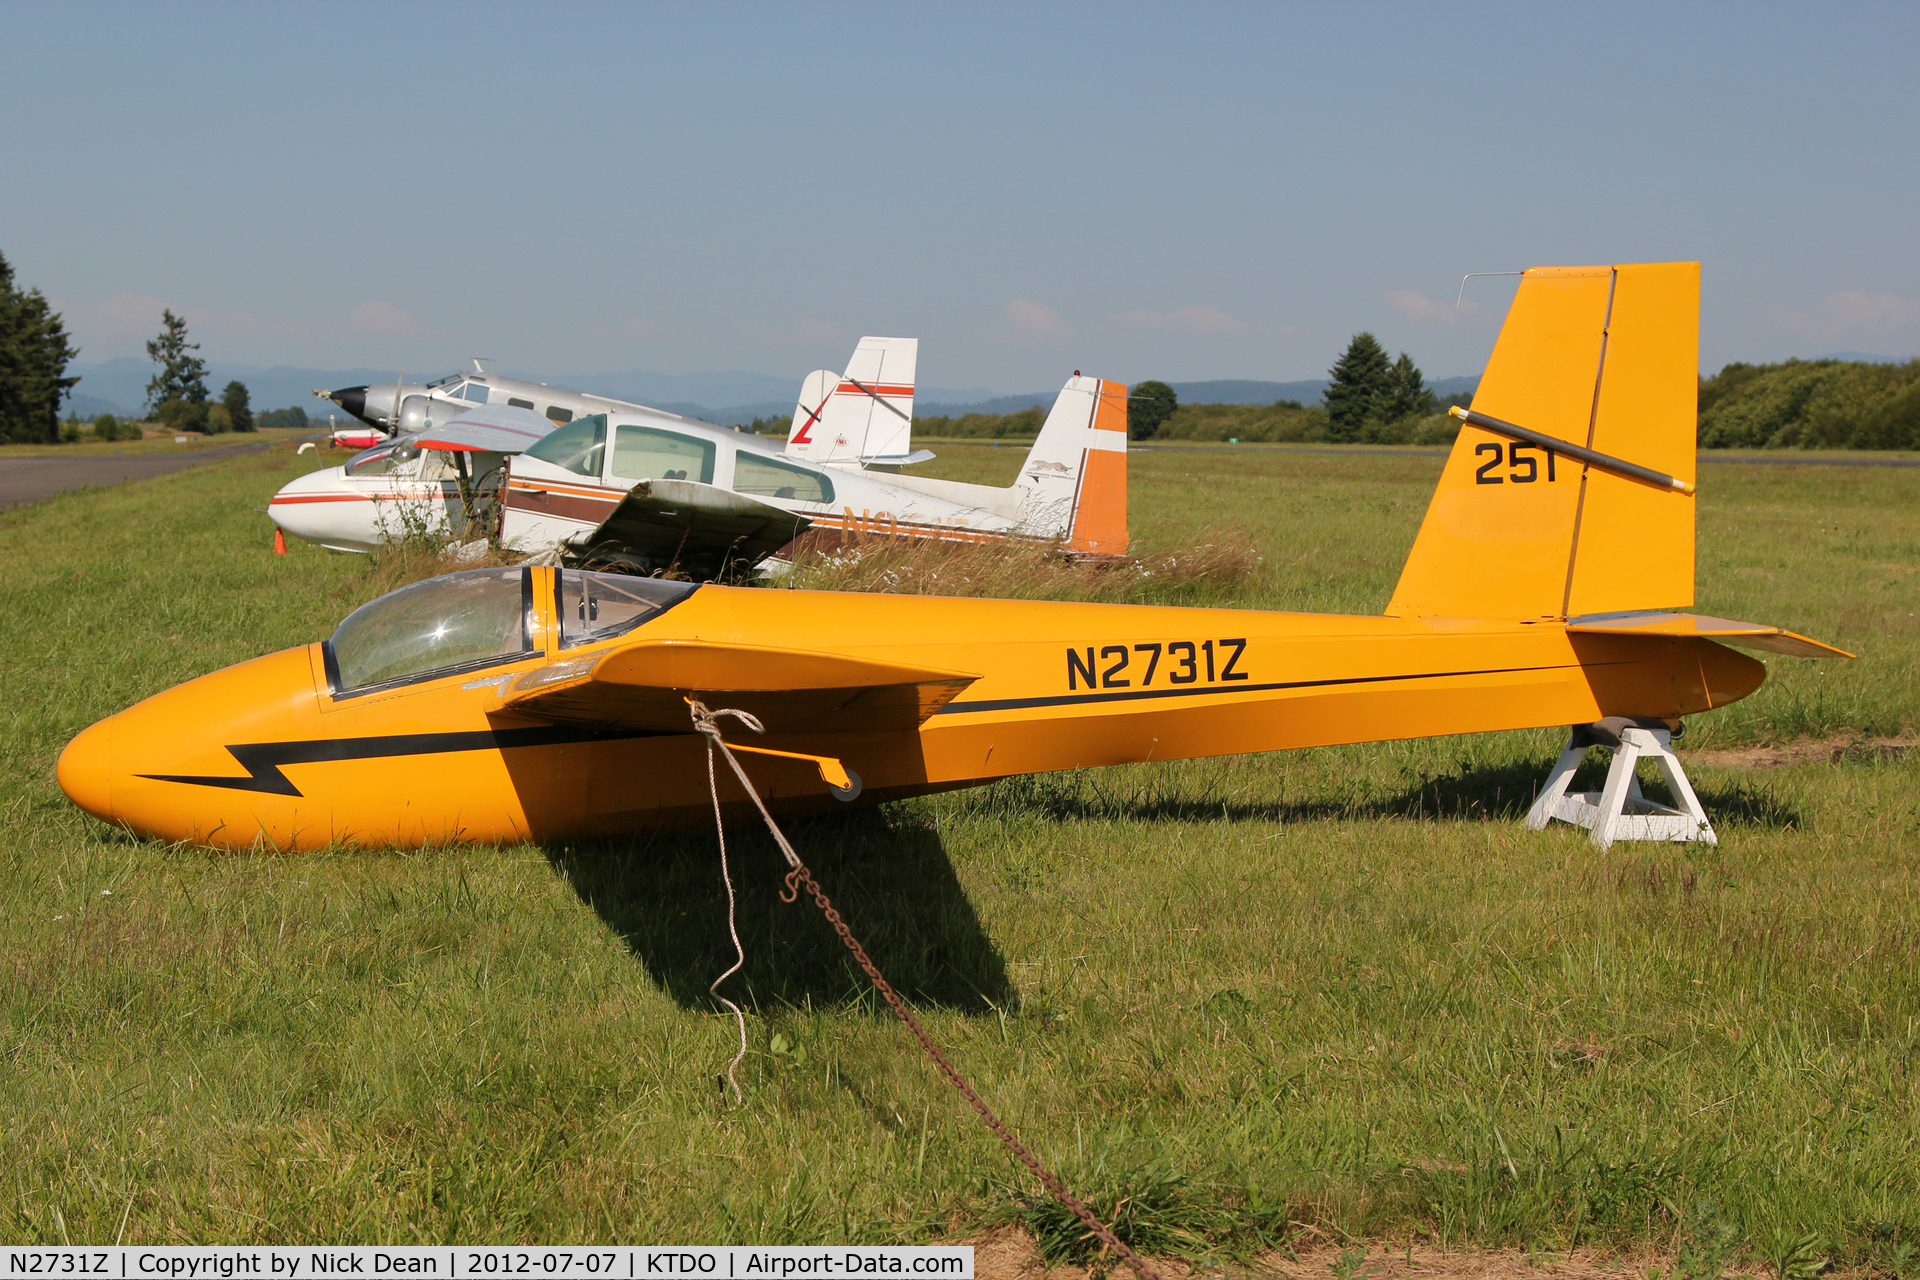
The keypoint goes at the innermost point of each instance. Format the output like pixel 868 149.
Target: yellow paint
pixel 1500 550
pixel 919 694
pixel 1635 546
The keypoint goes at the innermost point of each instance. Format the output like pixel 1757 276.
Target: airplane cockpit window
pixel 771 478
pixel 473 391
pixel 648 453
pixel 577 447
pixel 384 457
pixel 447 381
pixel 453 623
pixel 594 606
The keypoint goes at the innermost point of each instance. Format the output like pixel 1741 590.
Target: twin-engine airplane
pixel 399 408
pixel 514 704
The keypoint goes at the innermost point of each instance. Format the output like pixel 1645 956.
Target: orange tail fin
pixel 1604 357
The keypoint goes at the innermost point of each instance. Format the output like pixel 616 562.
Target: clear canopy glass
pixel 594 606
pixel 461 620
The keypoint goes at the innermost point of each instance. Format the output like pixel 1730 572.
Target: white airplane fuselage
pixel 564 495
pixel 385 494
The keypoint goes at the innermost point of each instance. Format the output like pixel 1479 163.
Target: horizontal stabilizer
pixel 694 528
pixel 645 684
pixel 1748 635
pixel 489 428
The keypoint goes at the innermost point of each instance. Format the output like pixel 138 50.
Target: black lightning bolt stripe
pixel 264 760
pixel 1134 695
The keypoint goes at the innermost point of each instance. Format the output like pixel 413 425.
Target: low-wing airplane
pixel 539 703
pixel 623 489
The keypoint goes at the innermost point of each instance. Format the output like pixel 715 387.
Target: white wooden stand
pixel 1620 812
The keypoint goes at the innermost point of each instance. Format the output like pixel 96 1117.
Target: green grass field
pixel 1322 996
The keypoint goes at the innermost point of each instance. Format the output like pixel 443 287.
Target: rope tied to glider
pixel 801 877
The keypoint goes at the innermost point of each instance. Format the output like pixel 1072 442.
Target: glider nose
pixel 84 771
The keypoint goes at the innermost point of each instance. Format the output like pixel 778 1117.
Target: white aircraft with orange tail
pixel 619 489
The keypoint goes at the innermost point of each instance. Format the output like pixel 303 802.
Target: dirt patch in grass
pixel 1831 749
pixel 1011 1254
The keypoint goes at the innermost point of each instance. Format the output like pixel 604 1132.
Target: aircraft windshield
pixel 441 382
pixel 576 447
pixel 462 620
pixel 594 606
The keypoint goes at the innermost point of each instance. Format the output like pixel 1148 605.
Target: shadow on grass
pixel 1493 792
pixel 886 873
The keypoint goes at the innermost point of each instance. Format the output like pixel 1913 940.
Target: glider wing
pixel 645 684
pixel 1749 635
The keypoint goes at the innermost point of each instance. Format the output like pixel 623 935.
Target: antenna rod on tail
pixel 1606 462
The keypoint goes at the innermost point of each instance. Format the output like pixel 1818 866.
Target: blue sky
pixel 1183 192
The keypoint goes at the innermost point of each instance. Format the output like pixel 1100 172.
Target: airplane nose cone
pixel 84 773
pixel 352 399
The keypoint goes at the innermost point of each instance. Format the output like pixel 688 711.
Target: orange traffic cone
pixel 279 542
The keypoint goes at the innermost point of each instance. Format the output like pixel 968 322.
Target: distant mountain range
pixel 120 387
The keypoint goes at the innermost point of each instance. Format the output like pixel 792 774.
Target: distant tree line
pixel 34 353
pixel 1812 404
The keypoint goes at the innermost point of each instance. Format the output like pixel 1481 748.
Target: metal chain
pixel 800 877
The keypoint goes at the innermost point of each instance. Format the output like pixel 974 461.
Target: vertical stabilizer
pixel 1634 544
pixel 1601 357
pixel 868 413
pixel 1076 472
pixel 815 389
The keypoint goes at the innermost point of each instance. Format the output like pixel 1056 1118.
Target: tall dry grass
pixel 1207 566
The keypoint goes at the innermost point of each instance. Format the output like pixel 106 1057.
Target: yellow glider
pixel 535 703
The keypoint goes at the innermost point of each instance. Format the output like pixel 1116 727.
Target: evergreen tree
pixel 183 375
pixel 239 409
pixel 1362 387
pixel 1407 394
pixel 1149 405
pixel 34 352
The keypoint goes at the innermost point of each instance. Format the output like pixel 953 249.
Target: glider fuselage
pixel 266 751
